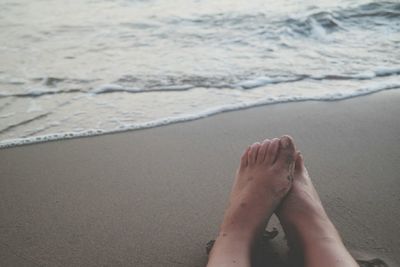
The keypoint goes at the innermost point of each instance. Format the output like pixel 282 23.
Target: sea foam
pixel 334 96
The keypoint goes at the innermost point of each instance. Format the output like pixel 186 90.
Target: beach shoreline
pixel 155 197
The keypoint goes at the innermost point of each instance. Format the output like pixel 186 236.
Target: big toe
pixel 286 153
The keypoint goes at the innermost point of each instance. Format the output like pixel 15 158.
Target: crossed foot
pixel 272 178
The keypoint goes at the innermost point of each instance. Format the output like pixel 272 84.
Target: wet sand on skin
pixel 155 197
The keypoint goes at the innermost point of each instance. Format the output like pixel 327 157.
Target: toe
pixel 299 165
pixel 262 151
pixel 272 151
pixel 244 158
pixel 253 153
pixel 286 153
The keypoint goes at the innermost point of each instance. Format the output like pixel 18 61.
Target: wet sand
pixel 155 197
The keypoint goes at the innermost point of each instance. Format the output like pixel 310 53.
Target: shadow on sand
pixel 267 254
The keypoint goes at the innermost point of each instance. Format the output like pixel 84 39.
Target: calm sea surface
pixel 78 68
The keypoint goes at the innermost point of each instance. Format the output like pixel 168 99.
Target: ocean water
pixel 89 67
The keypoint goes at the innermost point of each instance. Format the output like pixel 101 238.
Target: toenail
pixel 285 142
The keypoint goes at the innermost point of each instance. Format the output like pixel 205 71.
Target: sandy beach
pixel 155 197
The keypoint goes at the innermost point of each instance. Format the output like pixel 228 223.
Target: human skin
pixel 307 226
pixel 262 180
pixel 272 178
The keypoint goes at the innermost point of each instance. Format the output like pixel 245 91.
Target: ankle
pixel 237 235
pixel 231 249
pixel 311 230
pixel 242 229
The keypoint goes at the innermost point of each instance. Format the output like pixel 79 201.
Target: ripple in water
pixel 70 70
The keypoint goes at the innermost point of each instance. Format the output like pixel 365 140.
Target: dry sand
pixel 155 197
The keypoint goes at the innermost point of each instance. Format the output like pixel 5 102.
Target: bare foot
pixel 307 226
pixel 264 177
pixel 303 204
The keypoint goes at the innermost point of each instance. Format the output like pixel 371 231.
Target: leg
pixel 264 177
pixel 307 225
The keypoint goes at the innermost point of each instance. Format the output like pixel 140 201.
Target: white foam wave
pixel 251 83
pixel 387 71
pixel 202 114
pixel 181 87
pixel 38 92
pixel 366 75
pixel 109 88
pixel 261 81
